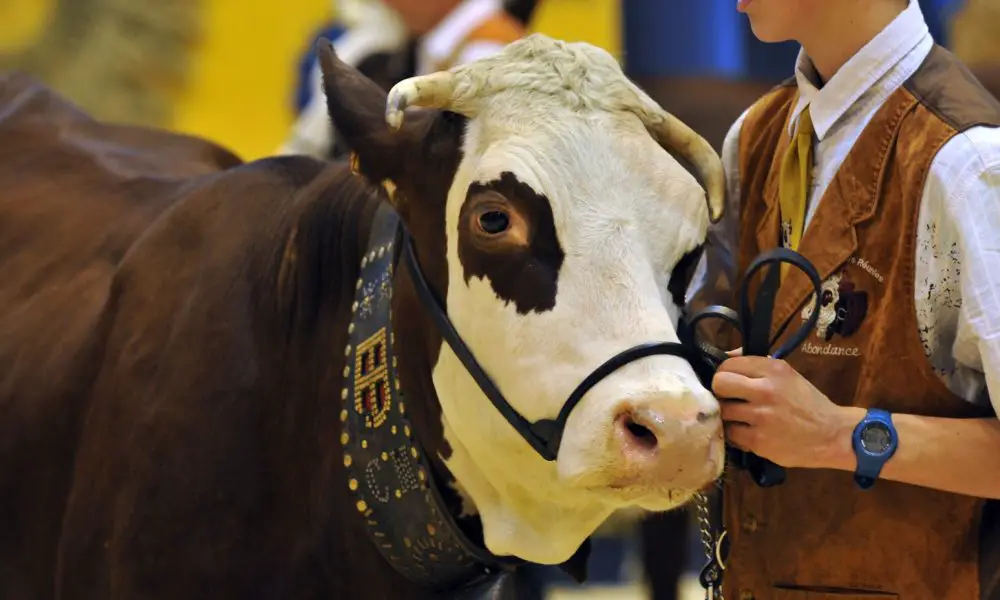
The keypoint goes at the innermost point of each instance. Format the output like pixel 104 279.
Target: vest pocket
pixel 827 593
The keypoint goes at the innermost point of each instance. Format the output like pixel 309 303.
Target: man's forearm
pixel 955 455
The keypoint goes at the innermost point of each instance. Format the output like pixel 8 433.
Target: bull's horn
pixel 677 137
pixel 428 91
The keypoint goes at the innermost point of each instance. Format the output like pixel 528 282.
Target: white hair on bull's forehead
pixel 575 74
pixel 544 75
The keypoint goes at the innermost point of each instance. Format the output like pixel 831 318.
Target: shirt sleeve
pixel 715 275
pixel 966 182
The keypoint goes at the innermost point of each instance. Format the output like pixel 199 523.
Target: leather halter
pixel 544 436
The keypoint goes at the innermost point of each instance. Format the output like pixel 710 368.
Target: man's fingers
pixel 757 366
pixel 740 412
pixel 735 352
pixel 751 366
pixel 740 436
pixel 741 387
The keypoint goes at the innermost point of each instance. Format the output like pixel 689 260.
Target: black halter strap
pixel 545 435
pixel 435 308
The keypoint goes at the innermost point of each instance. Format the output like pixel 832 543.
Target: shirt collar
pixel 827 104
pixel 440 43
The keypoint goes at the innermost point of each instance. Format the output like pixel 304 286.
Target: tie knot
pixel 805 123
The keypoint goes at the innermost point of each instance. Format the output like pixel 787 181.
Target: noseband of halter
pixel 545 436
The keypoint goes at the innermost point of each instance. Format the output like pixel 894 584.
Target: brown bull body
pixel 167 420
pixel 171 329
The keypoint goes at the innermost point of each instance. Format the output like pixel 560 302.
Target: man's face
pixel 421 16
pixel 780 20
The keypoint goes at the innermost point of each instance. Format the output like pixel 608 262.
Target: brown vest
pixel 817 536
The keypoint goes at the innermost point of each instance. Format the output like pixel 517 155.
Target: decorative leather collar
pixel 388 474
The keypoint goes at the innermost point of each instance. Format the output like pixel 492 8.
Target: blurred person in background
pixel 365 33
pixel 390 40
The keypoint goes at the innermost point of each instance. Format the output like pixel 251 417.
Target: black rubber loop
pixel 754 324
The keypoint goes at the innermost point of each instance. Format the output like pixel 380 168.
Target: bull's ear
pixel 356 106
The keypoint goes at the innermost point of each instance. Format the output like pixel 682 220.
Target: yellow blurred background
pixel 242 73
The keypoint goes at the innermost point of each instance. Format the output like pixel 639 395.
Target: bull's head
pixel 550 214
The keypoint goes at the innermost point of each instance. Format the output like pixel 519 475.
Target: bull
pixel 230 380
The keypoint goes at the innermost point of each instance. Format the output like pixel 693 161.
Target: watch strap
pixel 869 466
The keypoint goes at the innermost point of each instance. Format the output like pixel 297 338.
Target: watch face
pixel 876 438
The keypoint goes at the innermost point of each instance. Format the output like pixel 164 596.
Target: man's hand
pixel 772 411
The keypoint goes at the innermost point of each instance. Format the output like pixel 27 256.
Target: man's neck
pixel 845 31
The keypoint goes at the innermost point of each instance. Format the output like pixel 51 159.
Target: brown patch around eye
pixel 522 263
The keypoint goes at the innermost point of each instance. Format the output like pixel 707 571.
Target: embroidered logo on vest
pixel 843 308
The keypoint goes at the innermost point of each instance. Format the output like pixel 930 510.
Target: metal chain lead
pixel 704 523
pixel 711 574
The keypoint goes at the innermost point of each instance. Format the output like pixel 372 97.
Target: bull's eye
pixel 494 222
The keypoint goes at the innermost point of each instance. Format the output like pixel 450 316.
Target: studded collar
pixel 389 476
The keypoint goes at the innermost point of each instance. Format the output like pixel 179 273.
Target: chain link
pixel 704 524
pixel 713 566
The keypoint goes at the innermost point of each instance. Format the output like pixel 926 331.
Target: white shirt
pixel 376 28
pixel 958 239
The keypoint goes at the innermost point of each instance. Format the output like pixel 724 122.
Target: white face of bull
pixel 624 213
pixel 563 223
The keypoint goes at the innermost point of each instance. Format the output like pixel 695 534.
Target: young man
pixel 886 152
pixel 448 32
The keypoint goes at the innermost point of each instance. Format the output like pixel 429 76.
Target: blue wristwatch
pixel 874 441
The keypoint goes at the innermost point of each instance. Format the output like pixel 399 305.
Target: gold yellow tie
pixel 793 188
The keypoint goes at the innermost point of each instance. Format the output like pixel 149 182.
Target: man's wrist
pixel 838 450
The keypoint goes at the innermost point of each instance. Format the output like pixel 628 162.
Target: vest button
pixel 750 524
pixel 746 595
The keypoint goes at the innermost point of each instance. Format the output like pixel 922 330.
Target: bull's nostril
pixel 642 435
pixel 705 416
